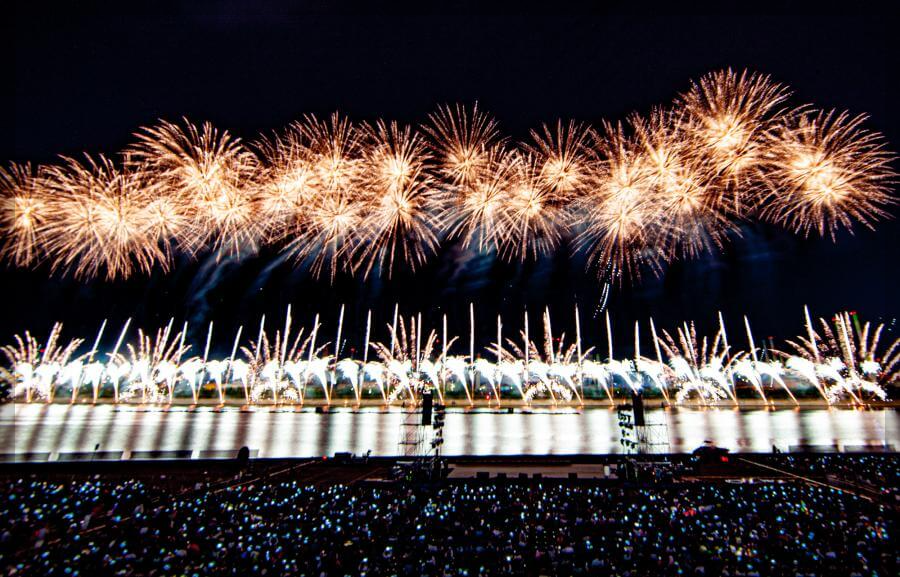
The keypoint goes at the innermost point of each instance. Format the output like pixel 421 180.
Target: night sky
pixel 87 82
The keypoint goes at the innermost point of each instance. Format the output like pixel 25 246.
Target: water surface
pixel 62 428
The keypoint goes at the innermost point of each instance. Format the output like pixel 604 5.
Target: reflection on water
pixel 287 433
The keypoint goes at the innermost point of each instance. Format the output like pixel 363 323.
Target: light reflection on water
pixel 287 433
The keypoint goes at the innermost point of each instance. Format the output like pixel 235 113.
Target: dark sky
pixel 85 82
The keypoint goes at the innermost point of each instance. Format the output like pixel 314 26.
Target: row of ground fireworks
pixel 361 198
pixel 842 360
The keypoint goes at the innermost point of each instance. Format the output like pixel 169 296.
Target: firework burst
pixel 535 212
pixel 480 216
pixel 728 115
pixel 826 172
pixel 401 199
pixel 691 214
pixel 23 211
pixel 332 227
pixel 620 215
pixel 103 223
pixel 206 173
pixel 563 155
pixel 367 198
pixel 289 185
pixel 461 140
pixel 406 346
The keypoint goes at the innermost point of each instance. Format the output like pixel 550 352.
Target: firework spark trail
pixel 854 356
pixel 34 367
pixel 846 362
pixel 365 199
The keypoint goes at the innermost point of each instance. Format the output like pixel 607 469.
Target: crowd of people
pixel 101 526
pixel 876 473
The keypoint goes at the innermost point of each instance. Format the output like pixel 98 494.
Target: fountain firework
pixel 843 363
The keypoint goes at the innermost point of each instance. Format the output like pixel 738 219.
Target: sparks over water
pixel 846 362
